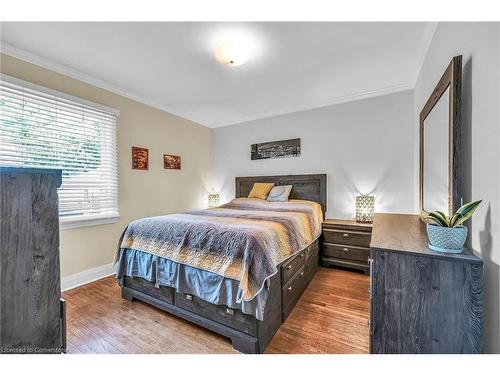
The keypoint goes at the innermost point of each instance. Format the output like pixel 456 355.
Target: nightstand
pixel 346 243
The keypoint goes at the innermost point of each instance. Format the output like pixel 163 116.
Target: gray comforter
pixel 243 240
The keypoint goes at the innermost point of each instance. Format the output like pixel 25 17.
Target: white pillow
pixel 279 193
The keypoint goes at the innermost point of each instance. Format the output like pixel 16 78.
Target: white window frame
pixel 74 222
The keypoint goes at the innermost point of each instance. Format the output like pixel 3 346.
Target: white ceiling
pixel 295 66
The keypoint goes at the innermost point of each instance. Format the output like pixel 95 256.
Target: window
pixel 41 128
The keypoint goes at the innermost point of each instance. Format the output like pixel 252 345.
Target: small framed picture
pixel 171 162
pixel 140 158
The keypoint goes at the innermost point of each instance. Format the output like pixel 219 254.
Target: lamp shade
pixel 365 208
pixel 213 200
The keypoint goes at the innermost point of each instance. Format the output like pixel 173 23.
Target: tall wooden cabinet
pixel 422 301
pixel 31 311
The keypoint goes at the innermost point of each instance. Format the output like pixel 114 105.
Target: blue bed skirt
pixel 206 285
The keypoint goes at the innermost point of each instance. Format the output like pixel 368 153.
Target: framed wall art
pixel 275 149
pixel 140 158
pixel 171 161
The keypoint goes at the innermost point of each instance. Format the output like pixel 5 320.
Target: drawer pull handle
pixel 301 274
pixel 289 267
pixel 289 288
pixel 189 297
pixel 301 256
pixel 345 235
pixel 157 286
pixel 345 249
pixel 308 249
pixel 229 311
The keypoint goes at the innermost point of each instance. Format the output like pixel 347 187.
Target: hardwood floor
pixel 331 317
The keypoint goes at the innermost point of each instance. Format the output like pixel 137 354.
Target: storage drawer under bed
pixel 312 250
pixel 163 293
pixel 291 292
pixel 222 314
pixel 291 267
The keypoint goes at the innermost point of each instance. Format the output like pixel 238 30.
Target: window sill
pixel 80 223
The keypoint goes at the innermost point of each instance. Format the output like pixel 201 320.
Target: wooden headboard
pixel 310 187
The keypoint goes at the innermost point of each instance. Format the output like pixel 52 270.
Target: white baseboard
pixel 87 276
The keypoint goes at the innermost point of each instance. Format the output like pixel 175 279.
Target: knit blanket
pixel 244 240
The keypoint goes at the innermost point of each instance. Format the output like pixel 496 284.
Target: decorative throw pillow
pixel 260 190
pixel 279 193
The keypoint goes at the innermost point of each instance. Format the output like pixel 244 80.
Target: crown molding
pixel 56 67
pixel 21 54
pixel 325 103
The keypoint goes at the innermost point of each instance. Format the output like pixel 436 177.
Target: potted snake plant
pixel 446 233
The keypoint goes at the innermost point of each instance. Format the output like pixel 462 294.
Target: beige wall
pixel 142 193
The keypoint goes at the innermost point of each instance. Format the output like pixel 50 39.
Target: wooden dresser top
pixel 15 170
pixel 407 234
pixel 347 224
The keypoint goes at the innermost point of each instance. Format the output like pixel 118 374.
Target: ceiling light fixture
pixel 234 52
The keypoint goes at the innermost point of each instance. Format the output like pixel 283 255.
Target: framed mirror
pixel 440 129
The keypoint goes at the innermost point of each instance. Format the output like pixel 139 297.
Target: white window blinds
pixel 40 128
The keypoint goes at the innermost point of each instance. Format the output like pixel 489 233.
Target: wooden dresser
pixel 32 315
pixel 422 301
pixel 346 243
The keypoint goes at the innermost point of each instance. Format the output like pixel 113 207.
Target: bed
pixel 237 270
